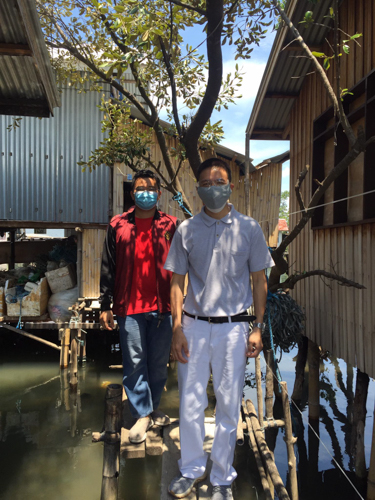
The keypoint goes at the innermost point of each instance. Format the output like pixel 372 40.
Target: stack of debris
pixel 49 283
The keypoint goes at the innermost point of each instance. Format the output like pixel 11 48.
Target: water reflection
pixel 45 431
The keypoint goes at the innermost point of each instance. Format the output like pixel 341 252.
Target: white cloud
pixel 286 171
pixel 252 76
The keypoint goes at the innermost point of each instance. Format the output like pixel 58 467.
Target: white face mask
pixel 215 197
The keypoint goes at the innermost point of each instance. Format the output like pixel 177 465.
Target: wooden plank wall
pixel 92 248
pixel 339 319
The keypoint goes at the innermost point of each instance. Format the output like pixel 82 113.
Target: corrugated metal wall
pixel 39 176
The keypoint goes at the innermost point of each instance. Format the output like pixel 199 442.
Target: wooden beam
pixel 6 224
pixel 24 107
pixel 14 49
pixel 25 250
pixel 268 131
pixel 275 95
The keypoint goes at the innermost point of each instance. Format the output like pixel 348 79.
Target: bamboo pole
pixel 65 342
pixel 263 477
pixel 30 336
pixel 266 454
pixel 258 378
pixel 269 383
pixel 111 454
pixel 240 439
pixel 371 472
pixel 290 441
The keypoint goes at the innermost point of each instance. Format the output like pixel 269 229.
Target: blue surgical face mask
pixel 146 199
pixel 215 197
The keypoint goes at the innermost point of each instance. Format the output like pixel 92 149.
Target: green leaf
pixel 346 48
pixel 357 35
pixel 318 54
pixel 326 64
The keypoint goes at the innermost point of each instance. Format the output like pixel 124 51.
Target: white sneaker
pixel 138 432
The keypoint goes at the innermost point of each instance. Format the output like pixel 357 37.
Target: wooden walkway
pixel 165 441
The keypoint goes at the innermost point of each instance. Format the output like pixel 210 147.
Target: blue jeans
pixel 145 344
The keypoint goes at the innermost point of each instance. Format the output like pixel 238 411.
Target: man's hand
pixel 255 344
pixel 106 320
pixel 179 345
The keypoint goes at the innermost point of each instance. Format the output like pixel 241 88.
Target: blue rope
pixel 277 370
pixel 20 294
pixel 178 197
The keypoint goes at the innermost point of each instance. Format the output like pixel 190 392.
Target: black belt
pixel 223 319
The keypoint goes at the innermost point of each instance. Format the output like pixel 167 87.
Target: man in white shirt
pixel 219 248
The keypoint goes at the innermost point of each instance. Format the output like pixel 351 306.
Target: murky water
pixel 45 433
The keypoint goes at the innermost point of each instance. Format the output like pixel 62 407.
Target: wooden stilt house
pixel 293 104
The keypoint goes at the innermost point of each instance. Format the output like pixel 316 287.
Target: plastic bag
pixel 59 303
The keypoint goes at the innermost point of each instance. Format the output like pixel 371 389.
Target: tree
pixel 107 37
pixel 284 206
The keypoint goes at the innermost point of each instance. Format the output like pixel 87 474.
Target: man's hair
pixel 214 162
pixel 145 174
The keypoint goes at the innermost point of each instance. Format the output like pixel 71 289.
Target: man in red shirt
pixel 133 278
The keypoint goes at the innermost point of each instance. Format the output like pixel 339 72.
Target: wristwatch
pixel 262 326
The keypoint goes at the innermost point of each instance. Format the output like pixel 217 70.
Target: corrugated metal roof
pixel 39 176
pixel 27 83
pixel 285 71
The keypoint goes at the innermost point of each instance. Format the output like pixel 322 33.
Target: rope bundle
pixel 287 321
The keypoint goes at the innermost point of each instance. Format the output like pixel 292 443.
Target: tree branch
pixel 173 85
pixel 215 17
pixel 358 148
pixel 297 188
pixel 189 7
pixel 295 278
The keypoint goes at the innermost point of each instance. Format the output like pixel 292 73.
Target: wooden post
pixel 266 454
pixel 111 454
pixel 300 369
pixel 313 357
pixel 371 472
pixel 12 234
pixel 290 441
pixel 258 377
pixel 83 352
pixel 247 176
pixel 65 343
pixel 65 388
pixel 269 383
pixel 74 362
pixel 359 418
pixel 268 489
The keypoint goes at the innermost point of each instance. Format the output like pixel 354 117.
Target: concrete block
pixel 62 279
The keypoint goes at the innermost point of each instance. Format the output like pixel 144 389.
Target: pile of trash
pixel 24 285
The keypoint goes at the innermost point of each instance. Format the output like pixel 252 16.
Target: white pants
pixel 220 348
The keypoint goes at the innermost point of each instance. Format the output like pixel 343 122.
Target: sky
pixel 236 118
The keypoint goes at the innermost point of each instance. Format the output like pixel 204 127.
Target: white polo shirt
pixel 218 255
